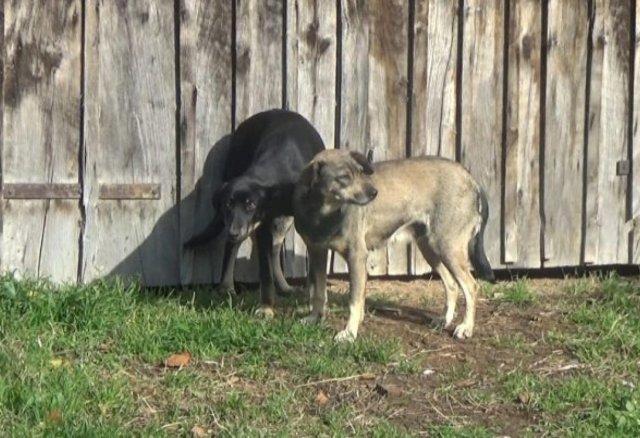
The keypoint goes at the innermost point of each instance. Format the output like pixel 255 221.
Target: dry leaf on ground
pixel 322 398
pixel 178 360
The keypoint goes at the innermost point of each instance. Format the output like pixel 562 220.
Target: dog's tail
pixel 476 244
pixel 212 230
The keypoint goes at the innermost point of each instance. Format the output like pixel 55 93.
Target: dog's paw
pixel 311 319
pixel 265 312
pixel 344 336
pixel 463 331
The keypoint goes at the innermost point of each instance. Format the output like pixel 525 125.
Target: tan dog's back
pixel 438 192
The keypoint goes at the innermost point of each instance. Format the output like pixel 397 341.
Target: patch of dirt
pixel 459 388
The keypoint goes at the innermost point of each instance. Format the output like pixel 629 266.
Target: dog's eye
pixel 229 203
pixel 344 179
pixel 250 205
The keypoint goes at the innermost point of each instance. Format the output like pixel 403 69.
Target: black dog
pixel 268 152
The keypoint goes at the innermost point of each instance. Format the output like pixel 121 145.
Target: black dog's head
pixel 239 205
pixel 340 177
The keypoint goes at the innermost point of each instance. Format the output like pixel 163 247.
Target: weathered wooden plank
pixel 130 100
pixel 634 226
pixel 42 62
pixel 605 240
pixel 434 87
pixel 1 131
pixel 205 120
pixel 311 83
pixel 482 92
pixel 374 93
pixel 567 39
pixel 259 40
pixel 522 175
pixel 129 191
pixel 41 191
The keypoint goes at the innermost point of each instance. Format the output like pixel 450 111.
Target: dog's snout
pixel 372 192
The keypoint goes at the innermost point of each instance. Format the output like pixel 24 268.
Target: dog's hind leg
pixel 279 230
pixel 228 267
pixel 457 261
pixel 450 287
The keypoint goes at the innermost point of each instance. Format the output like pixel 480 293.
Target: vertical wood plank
pixel 42 63
pixel 2 63
pixel 205 119
pixel 435 56
pixel 374 92
pixel 567 39
pixel 482 90
pixel 606 242
pixel 521 203
pixel 311 83
pixel 259 85
pixel 130 100
pixel 634 253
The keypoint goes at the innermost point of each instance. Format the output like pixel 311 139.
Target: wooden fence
pixel 113 109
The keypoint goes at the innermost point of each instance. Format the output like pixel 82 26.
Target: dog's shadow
pixel 385 308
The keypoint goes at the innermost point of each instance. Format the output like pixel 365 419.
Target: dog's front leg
pixel 267 288
pixel 317 284
pixel 228 267
pixel 357 262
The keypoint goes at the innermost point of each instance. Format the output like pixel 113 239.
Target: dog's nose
pixel 373 192
pixel 234 234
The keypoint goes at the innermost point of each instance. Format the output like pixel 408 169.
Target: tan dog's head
pixel 340 177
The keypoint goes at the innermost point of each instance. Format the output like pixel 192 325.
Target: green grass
pixel 87 361
pixel 517 293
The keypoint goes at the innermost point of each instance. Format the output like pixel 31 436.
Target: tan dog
pixel 344 203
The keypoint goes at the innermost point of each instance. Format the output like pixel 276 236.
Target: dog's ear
pixel 362 162
pixel 311 174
